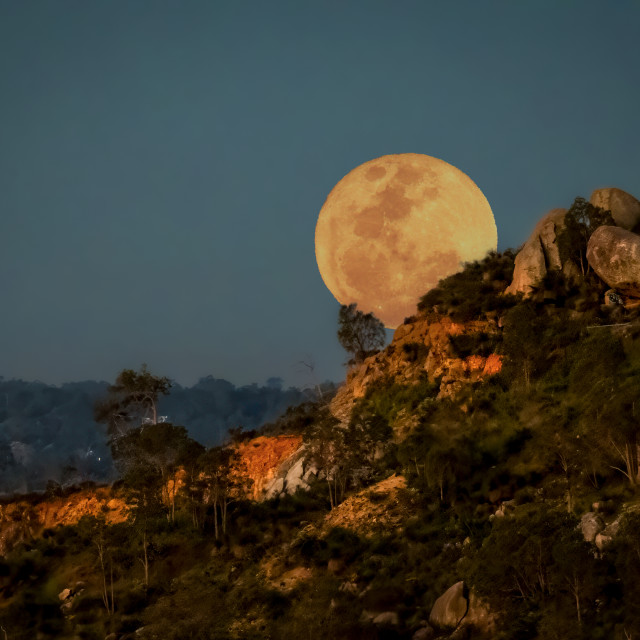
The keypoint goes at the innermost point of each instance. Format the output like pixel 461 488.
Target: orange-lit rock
pixel 492 365
pixel 264 458
pixel 22 519
pixel 420 347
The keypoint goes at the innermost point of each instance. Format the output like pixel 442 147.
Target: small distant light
pixel 99 459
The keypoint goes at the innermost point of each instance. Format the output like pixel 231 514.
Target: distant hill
pixel 48 432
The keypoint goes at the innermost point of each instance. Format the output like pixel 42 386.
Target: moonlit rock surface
pixel 450 608
pixel 624 208
pixel 614 254
pixel 539 254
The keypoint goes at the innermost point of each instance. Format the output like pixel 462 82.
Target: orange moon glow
pixel 394 226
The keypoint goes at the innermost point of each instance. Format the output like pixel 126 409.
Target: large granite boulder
pixel 459 608
pixel 540 254
pixel 614 254
pixel 624 208
pixel 450 608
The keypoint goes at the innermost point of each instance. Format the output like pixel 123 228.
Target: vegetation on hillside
pixel 501 491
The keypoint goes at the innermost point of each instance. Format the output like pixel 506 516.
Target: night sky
pixel 163 164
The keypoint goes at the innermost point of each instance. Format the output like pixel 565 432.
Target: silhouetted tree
pixel 131 400
pixel 360 334
pixel 149 458
pixel 580 222
pixel 222 480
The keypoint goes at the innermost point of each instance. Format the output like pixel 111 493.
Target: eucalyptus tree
pixel 131 401
pixel 360 334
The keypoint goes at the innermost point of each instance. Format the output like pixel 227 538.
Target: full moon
pixel 394 226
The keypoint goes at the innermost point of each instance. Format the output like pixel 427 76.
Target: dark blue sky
pixel 162 164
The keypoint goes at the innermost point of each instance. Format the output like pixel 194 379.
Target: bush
pixel 475 291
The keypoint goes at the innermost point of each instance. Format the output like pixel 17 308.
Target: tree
pixel 521 339
pixel 580 222
pixel 222 480
pixel 131 401
pixel 360 334
pixel 606 385
pixel 149 458
pixel 536 564
pixel 347 454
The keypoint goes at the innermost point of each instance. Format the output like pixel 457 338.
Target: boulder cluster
pixel 613 252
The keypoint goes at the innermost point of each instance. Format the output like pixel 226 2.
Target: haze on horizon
pixel 162 166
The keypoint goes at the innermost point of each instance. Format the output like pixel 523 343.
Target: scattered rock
pixel 624 208
pixel 450 608
pixel 606 536
pixel 591 524
pixel 349 587
pixel 612 298
pixel 111 636
pixel 386 618
pixel 64 594
pixel 367 617
pixel 424 633
pixel 602 541
pixel 614 254
pixel 67 607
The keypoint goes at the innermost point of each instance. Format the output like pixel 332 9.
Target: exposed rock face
pixel 624 208
pixel 22 520
pixel 540 254
pixel 450 608
pixel 422 346
pixel 614 254
pixel 292 474
pixel 274 464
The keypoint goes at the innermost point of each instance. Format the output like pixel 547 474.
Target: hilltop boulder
pixel 624 208
pixel 540 254
pixel 614 254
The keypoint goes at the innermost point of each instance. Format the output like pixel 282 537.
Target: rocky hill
pixel 478 478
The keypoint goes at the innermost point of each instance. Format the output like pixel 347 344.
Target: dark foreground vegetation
pixel 502 491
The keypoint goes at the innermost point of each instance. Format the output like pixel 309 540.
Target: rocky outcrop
pixel 614 254
pixel 23 520
pixel 450 608
pixel 292 474
pixel 420 347
pixel 274 464
pixel 540 254
pixel 624 208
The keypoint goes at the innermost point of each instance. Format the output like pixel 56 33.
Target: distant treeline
pixel 48 432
